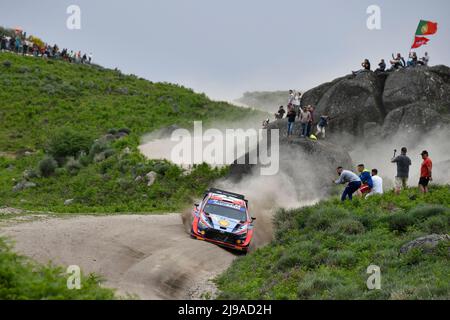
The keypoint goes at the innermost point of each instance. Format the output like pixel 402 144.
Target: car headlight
pixel 202 225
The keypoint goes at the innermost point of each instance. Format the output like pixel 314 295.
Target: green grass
pixel 22 279
pixel 323 252
pixel 41 100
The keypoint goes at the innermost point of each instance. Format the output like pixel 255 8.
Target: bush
pixel 47 166
pixel 349 226
pixel 67 143
pixel 342 258
pixel 427 211
pixel 323 218
pixel 97 147
pixel 7 63
pixel 73 166
pixel 400 222
pixel 438 225
pixel 23 279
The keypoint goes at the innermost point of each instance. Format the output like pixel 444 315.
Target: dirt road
pixel 151 256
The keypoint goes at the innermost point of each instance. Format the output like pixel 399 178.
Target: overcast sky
pixel 227 47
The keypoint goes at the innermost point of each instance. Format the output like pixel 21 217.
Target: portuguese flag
pixel 426 28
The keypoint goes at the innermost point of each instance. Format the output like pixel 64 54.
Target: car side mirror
pixel 196 205
pixel 253 219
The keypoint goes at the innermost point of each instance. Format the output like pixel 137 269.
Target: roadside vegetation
pixel 323 251
pixel 23 279
pixel 69 138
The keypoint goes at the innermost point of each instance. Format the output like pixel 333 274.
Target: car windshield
pixel 225 212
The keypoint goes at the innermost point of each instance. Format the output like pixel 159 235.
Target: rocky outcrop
pixel 317 159
pixel 426 244
pixel 382 103
pixel 413 118
pixel 430 86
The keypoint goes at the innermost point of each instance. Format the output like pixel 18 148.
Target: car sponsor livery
pixel 223 218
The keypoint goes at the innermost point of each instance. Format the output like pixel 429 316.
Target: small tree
pixel 67 143
pixel 47 166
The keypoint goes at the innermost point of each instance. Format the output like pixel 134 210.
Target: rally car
pixel 223 218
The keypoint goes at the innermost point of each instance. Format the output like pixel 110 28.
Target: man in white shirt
pixel 377 184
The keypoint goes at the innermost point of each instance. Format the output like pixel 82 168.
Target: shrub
pixel 315 284
pixel 47 166
pixel 73 166
pixel 68 143
pixel 438 225
pixel 400 222
pixel 427 211
pixel 7 64
pixel 323 218
pixel 349 226
pixel 97 147
pixel 342 258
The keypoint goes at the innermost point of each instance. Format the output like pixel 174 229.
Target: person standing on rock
pixel 291 121
pixel 321 126
pixel 354 183
pixel 403 163
pixel 311 121
pixel 305 118
pixel 426 170
pixel 296 102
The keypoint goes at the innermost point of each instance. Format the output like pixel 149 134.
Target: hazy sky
pixel 226 47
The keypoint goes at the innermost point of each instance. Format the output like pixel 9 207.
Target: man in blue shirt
pixel 366 180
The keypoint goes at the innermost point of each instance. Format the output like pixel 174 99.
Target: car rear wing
pixel 227 193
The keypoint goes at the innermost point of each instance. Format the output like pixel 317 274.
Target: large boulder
pixel 421 84
pixel 365 104
pixel 351 101
pixel 414 118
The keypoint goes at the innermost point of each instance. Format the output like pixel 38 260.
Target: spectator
pixel 354 183
pixel 377 184
pixel 365 67
pixel 3 43
pixel 321 126
pixel 381 66
pixel 426 171
pixel 412 61
pixel 397 62
pixel 297 102
pixel 280 114
pixel 291 121
pixel 403 163
pixel 305 118
pixel 311 121
pixel 425 60
pixel 366 180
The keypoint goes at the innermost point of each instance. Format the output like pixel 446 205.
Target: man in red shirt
pixel 425 172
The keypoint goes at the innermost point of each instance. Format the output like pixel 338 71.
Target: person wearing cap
pixel 426 170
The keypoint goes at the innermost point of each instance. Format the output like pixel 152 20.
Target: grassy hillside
pixel 323 252
pixel 268 101
pixel 22 279
pixel 52 113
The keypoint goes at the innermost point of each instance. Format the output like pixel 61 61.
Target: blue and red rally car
pixel 223 218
